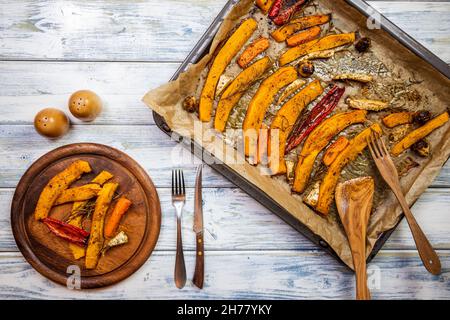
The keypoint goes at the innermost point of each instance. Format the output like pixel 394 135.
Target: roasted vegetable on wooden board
pixel 66 231
pixel 221 61
pixel 365 104
pixel 331 178
pixel 304 36
pixel 121 207
pixel 80 193
pixel 318 140
pixel 256 47
pixel 334 149
pixel 419 133
pixel 57 185
pixel 260 103
pixel 119 239
pixel 265 5
pixel 79 252
pixel 302 23
pixel 96 239
pixel 325 43
pixel 236 89
pixel 398 118
pixel 284 121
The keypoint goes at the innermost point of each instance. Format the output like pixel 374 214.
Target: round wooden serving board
pixel 51 255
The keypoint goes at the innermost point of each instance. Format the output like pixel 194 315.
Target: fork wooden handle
pixel 426 252
pixel 180 267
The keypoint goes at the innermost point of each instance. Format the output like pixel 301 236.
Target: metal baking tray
pixel 202 48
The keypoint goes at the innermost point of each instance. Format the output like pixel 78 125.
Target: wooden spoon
pixel 354 204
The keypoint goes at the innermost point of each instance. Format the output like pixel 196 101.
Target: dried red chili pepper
pixel 66 231
pixel 276 7
pixel 314 117
pixel 285 15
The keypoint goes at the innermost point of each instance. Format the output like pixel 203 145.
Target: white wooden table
pixel 120 49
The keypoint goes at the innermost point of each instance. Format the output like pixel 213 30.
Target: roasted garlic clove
pixel 360 77
pixel 421 148
pixel 306 69
pixel 422 117
pixel 362 45
pixel 365 104
pixel 190 104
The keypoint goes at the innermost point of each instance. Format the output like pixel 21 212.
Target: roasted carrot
pixel 304 36
pixel 255 48
pixel 120 208
pixel 296 25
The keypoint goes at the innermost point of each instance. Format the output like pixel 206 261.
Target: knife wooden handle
pixel 199 273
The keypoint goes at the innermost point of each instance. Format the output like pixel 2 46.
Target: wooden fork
pixel 389 173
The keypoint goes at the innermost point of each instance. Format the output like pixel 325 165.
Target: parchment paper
pixel 167 101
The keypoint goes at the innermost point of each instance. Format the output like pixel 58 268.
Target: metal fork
pixel 178 200
pixel 389 173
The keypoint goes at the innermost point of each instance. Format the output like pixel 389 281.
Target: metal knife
pixel 199 273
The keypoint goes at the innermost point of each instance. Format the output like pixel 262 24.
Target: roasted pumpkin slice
pixel 334 149
pixel 325 43
pixel 398 118
pixel 284 121
pixel 419 133
pixel 304 36
pixel 80 193
pixel 57 185
pixel 330 180
pixel 79 251
pixel 221 61
pixel 302 23
pixel 255 48
pixel 317 140
pixel 236 89
pixel 258 106
pixel 96 237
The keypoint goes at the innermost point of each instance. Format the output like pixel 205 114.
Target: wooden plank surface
pixel 30 86
pixel 121 50
pixel 156 30
pixel 245 275
pixel 21 146
pixel 232 218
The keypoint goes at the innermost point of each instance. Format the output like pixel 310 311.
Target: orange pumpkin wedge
pixel 221 61
pixel 325 43
pixel 295 25
pixel 284 121
pixel 234 91
pixel 259 104
pixel 317 140
pixel 331 178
